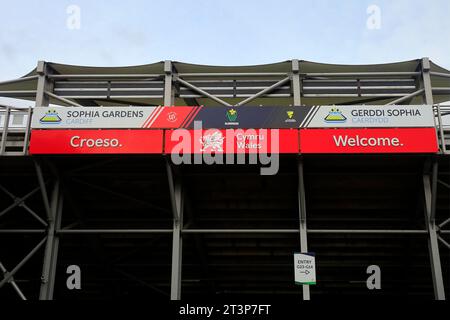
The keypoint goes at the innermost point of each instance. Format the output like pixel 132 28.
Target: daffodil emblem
pixel 232 115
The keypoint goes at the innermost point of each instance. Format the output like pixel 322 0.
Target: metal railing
pixel 15 127
pixel 442 121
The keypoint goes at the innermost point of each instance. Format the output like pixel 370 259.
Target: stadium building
pixel 89 189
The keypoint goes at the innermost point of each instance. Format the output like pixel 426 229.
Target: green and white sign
pixel 305 268
pixel 362 116
pixel 91 117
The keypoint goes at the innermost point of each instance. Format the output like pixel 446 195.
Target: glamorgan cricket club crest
pixel 232 115
pixel 290 116
pixel 335 116
pixel 50 117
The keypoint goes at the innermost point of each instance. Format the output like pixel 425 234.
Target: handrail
pixel 441 128
pixel 4 132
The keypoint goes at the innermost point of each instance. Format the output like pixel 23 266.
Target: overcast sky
pixel 117 33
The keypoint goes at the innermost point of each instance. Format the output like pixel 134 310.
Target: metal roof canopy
pixel 291 82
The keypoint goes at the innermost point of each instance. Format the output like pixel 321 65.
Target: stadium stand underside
pixel 114 216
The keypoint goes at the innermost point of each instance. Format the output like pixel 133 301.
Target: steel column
pixel 176 196
pixel 41 181
pixel 52 245
pixel 430 188
pixel 177 254
pixel 302 219
pixel 428 96
pixel 43 85
pixel 296 90
pixel 169 97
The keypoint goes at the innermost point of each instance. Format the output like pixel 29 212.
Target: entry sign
pixel 305 268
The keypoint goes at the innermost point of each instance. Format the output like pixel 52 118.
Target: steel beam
pixel 219 231
pixel 22 231
pixel 295 84
pixel 43 85
pixel 234 74
pixel 41 181
pixel 302 219
pixel 175 192
pixel 177 255
pixel 17 94
pixel 426 81
pixel 17 201
pixel 361 74
pixel 52 245
pixel 21 203
pixel 61 99
pixel 112 231
pixel 9 275
pixel 445 243
pixel 440 74
pixel 169 97
pixel 311 231
pixel 263 92
pixel 309 74
pixel 12 282
pixel 407 97
pixel 434 179
pixel 203 92
pixel 19 80
pixel 433 245
pixel 444 223
pixel 176 196
pixel 428 94
pixel 105 76
pixel 54 258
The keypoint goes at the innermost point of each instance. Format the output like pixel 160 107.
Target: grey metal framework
pixel 170 83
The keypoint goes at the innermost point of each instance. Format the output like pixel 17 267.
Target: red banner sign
pixel 399 140
pixel 96 141
pixel 231 141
